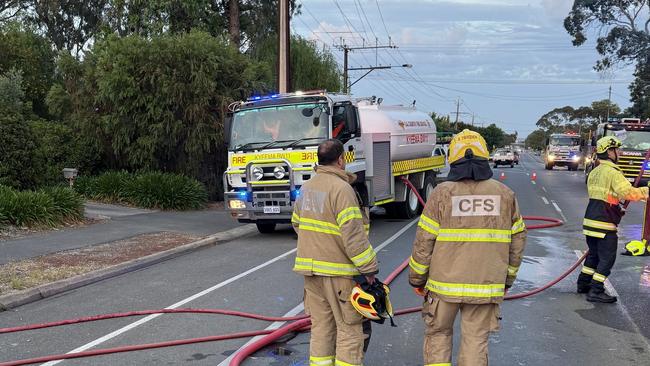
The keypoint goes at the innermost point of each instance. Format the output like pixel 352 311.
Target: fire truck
pixel 563 149
pixel 635 136
pixel 272 143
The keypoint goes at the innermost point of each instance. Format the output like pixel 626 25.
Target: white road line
pixel 301 306
pixel 546 202
pixel 544 189
pixel 174 306
pixel 559 210
pixel 293 312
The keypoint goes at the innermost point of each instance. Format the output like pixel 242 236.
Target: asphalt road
pixel 254 274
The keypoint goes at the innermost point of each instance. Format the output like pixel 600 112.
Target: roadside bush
pixel 68 204
pixel 164 191
pixel 47 207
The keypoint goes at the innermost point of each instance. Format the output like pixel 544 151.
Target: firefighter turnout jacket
pixel 608 186
pixel 332 227
pixel 469 243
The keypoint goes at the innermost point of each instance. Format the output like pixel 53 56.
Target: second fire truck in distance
pixel 635 136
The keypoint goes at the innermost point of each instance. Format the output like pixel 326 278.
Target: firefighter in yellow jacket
pixel 467 251
pixel 607 186
pixel 333 247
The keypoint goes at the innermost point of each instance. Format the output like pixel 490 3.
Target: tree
pixel 311 68
pixel 623 27
pixel 578 120
pixel 23 50
pixel 159 103
pixel 536 140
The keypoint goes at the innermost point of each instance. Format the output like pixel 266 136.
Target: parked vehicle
pixel 504 157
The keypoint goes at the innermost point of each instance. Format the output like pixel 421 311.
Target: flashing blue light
pixel 273 96
pixel 243 195
pixel 295 194
pixel 646 166
pixel 257 98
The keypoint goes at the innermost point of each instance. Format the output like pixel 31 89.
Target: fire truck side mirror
pixel 227 128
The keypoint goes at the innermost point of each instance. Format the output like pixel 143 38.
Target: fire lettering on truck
pixel 294 157
pixel 419 138
pixel 475 205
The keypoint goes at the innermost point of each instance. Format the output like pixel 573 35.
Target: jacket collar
pixel 610 164
pixel 335 171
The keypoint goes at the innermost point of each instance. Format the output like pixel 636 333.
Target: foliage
pixel 166 191
pixel 493 135
pixel 48 207
pixel 148 190
pixel 68 204
pixel 579 120
pixel 32 55
pixel 622 27
pixel 536 140
pixel 311 68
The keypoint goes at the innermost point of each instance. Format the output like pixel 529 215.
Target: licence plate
pixel 631 180
pixel 271 210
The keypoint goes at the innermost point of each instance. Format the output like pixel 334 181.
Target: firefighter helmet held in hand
pixel 467 140
pixel 636 247
pixel 608 142
pixel 372 301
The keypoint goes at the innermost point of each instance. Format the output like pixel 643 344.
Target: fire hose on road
pixel 299 323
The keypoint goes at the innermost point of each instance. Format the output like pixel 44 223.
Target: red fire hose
pixel 301 323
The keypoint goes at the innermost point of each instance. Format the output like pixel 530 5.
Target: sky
pixel 507 61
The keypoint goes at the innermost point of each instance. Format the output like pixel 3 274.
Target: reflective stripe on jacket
pixel 607 186
pixel 469 243
pixel 332 227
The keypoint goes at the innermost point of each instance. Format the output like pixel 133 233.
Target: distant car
pixel 504 157
pixel 516 155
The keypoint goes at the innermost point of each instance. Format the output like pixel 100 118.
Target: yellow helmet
pixel 605 143
pixel 467 140
pixel 372 301
pixel 636 247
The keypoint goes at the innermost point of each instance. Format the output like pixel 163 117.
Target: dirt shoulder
pixel 25 274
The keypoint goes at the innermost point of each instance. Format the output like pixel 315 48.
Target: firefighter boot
pixel 594 296
pixel 583 288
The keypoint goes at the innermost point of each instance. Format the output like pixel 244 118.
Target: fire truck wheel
pixel 265 228
pixel 429 185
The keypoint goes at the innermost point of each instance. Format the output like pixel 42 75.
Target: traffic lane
pixel 534 330
pixel 160 286
pixel 630 274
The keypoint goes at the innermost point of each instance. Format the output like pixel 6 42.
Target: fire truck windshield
pixel 565 141
pixel 633 140
pixel 254 128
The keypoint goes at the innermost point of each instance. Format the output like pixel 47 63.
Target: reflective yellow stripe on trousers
pixel 439 364
pixel 466 289
pixel 321 361
pixel 475 235
pixel 325 268
pixel 342 363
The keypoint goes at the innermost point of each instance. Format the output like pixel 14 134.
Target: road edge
pixel 15 300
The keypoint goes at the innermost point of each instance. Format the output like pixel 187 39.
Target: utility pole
pixel 609 102
pixel 284 40
pixel 457 111
pixel 346 51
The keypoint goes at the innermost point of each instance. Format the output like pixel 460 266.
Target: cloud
pixel 557 8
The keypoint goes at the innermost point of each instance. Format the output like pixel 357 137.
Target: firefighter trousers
pixel 598 264
pixel 337 336
pixel 476 323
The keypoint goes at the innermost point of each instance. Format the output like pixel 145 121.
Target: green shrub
pixel 166 191
pixel 47 207
pixel 110 186
pixel 29 208
pixel 68 204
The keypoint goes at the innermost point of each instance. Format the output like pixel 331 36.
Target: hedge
pixel 46 207
pixel 158 190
